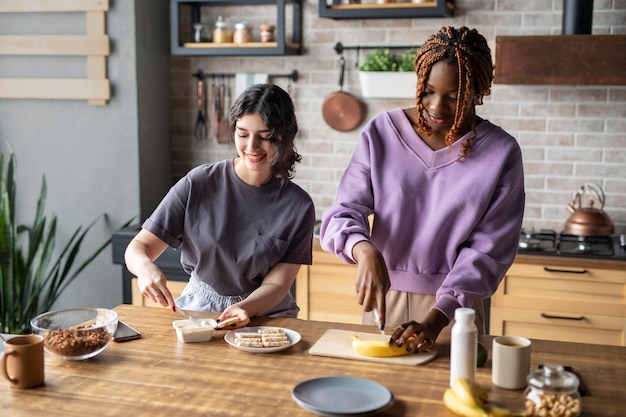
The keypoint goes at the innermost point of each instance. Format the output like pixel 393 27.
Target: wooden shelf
pixel 236 45
pixel 189 11
pixel 93 45
pixel 400 10
pixel 561 60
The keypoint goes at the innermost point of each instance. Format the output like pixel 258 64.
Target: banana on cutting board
pixel 377 348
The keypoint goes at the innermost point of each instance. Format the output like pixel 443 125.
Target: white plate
pixel 294 337
pixel 342 396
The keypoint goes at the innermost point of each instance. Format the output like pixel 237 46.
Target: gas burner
pixel 592 245
pixel 542 241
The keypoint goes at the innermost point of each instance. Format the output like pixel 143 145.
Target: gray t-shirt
pixel 230 233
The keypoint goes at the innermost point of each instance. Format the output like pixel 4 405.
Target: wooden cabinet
pixel 337 9
pixel 562 299
pixel 325 290
pixel 286 16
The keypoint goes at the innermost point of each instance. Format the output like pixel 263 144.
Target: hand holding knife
pixel 377 319
pixel 220 324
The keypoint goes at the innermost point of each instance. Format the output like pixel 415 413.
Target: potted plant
pixel 384 75
pixel 29 282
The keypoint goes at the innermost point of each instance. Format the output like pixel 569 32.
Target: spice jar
pixel 222 33
pixel 200 33
pixel 552 392
pixel 267 32
pixel 243 33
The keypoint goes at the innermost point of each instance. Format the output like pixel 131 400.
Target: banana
pixel 377 348
pixel 472 397
pixel 460 408
pixel 468 391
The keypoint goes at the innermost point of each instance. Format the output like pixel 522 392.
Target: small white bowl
pixel 189 332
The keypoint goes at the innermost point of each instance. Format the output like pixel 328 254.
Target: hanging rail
pixel 199 74
pixel 339 48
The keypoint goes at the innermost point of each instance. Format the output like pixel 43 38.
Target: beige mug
pixel 21 363
pixel 510 361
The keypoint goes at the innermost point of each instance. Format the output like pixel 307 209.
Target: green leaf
pixel 31 281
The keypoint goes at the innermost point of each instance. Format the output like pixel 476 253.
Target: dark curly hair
pixel 469 51
pixel 276 109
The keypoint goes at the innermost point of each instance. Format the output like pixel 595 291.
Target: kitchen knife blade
pixel 377 320
pixel 188 317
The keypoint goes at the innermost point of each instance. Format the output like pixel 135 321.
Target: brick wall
pixel 569 135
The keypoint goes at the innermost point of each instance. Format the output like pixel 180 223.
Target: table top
pixel 160 376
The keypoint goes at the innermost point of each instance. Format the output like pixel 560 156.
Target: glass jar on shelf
pixel 243 33
pixel 553 392
pixel 201 32
pixel 267 32
pixel 222 32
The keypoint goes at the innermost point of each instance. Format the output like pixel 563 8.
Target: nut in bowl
pixel 76 333
pixel 189 332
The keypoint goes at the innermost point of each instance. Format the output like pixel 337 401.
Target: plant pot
pixel 387 84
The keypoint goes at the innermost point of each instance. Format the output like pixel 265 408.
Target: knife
pixel 377 320
pixel 189 317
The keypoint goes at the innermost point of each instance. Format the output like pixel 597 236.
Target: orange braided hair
pixel 467 49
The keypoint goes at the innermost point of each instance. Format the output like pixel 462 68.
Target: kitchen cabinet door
pixel 561 302
pixel 325 290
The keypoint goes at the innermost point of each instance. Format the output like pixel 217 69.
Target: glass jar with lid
pixel 552 392
pixel 243 33
pixel 222 32
pixel 267 32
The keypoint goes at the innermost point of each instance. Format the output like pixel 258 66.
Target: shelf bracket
pixel 200 75
pixel 339 48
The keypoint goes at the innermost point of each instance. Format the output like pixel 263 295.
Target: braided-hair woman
pixel 444 191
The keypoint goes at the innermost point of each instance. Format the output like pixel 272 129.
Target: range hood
pixel 574 58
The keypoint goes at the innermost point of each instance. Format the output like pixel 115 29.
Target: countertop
pixel 160 376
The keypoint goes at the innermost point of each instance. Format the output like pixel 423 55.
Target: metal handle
pixel 566 271
pixel 550 316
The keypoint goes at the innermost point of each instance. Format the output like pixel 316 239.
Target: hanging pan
pixel 342 111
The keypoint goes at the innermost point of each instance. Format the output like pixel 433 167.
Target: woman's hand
pixel 235 311
pixel 424 334
pixel 139 257
pixel 372 278
pixel 153 285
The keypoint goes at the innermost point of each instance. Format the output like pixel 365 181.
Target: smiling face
pixel 255 150
pixel 440 100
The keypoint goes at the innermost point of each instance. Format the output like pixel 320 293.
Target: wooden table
pixel 159 376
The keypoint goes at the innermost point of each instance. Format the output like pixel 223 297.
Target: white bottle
pixel 463 345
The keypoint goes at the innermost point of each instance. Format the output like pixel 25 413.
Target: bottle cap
pixel 464 314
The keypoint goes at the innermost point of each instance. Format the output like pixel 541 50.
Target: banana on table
pixel 466 398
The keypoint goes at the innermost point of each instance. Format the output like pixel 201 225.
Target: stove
pixel 551 242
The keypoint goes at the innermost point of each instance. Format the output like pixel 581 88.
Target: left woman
pixel 242 227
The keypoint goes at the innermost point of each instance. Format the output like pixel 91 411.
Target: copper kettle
pixel 588 221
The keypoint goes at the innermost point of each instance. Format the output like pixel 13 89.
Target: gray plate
pixel 342 396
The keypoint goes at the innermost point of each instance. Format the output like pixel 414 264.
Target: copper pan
pixel 342 111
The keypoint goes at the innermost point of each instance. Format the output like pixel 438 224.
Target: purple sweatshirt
pixel 444 226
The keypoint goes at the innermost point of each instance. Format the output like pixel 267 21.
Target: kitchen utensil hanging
pixel 342 111
pixel 213 110
pixel 200 128
pixel 223 125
